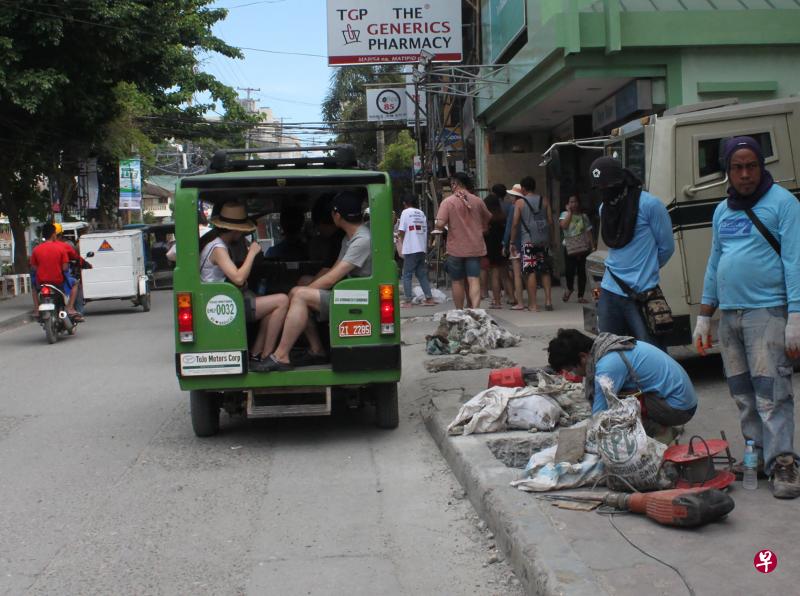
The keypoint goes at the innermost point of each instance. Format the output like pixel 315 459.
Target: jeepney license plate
pixel 355 329
pixel 211 363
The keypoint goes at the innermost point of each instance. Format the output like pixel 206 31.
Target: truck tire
pixel 387 412
pixel 204 408
pixel 144 301
pixel 50 330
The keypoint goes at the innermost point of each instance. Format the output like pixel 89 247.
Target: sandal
pixel 518 307
pixel 548 307
pixel 495 306
pixel 583 301
pixel 406 304
pixel 567 295
pixel 429 302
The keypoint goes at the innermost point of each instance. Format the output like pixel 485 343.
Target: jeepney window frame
pixel 719 174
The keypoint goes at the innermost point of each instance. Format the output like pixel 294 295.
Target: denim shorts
pixel 461 267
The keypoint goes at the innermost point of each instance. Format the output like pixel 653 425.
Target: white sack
pixel 543 474
pixel 533 412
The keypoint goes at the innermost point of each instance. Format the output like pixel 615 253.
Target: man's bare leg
pixel 458 293
pixel 532 291
pixel 547 283
pixel 474 284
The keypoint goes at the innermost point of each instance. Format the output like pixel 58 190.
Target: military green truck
pixel 211 333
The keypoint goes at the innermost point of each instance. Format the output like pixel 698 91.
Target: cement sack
pixel 533 412
pixel 569 396
pixel 473 328
pixel 488 411
pixel 543 473
pixel 624 447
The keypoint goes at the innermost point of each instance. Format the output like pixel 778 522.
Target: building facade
pixel 579 68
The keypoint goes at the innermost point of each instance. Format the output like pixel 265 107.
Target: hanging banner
pixel 130 184
pixel 387 104
pixel 377 31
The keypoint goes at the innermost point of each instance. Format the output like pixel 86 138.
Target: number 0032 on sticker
pixel 211 363
pixel 355 329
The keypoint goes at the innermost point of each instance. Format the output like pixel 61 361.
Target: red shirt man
pixel 49 260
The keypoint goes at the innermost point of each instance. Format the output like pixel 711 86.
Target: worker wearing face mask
pixel 637 230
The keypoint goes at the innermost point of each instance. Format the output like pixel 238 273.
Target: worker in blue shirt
pixel 637 230
pixel 632 367
pixel 753 277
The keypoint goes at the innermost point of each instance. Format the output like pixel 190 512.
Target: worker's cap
pixel 607 172
pixel 348 205
pixel 59 228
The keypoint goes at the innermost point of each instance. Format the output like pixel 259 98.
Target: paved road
pixel 105 490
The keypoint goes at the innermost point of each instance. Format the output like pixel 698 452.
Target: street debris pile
pixel 542 406
pixel 468 331
pixel 468 362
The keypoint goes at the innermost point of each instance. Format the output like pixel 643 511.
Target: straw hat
pixel 516 190
pixel 233 216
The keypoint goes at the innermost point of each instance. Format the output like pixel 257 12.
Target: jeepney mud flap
pixel 288 401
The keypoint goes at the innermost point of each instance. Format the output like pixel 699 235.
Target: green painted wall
pixel 727 65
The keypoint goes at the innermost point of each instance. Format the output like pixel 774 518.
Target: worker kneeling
pixel 635 368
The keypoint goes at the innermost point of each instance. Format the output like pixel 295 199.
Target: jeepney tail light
pixel 185 318
pixel 387 309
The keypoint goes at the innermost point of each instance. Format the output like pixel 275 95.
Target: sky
pixel 293 86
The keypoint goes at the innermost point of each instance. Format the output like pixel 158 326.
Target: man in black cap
pixel 637 229
pixel 355 260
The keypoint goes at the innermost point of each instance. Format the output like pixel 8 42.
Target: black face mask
pixel 611 194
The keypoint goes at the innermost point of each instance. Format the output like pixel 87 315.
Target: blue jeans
pixel 415 264
pixel 759 377
pixel 622 316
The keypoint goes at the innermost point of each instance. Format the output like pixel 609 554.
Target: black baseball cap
pixel 607 172
pixel 348 205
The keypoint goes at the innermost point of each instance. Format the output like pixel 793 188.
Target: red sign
pixel 765 561
pixel 355 329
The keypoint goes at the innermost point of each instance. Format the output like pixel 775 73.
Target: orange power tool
pixel 679 507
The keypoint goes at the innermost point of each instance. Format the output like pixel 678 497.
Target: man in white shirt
pixel 413 230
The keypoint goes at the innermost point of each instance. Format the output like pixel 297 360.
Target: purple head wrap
pixel 735 200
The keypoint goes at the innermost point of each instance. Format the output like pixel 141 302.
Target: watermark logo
pixel 765 561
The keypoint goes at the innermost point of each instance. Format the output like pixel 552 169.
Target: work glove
pixel 702 334
pixel 793 335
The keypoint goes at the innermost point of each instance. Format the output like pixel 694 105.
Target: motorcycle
pixel 53 315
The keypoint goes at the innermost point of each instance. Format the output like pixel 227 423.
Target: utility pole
pixel 248 105
pixel 381 143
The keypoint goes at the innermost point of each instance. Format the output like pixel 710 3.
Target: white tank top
pixel 210 272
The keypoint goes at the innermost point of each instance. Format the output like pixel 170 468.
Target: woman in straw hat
pixel 216 265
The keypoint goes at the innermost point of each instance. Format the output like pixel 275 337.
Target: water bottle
pixel 750 463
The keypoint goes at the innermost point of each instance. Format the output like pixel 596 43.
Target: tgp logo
pixel 352 14
pixel 765 561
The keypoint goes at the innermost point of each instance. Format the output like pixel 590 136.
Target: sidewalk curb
pixel 15 321
pixel 547 566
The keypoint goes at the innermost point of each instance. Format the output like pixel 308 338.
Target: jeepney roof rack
pixel 333 156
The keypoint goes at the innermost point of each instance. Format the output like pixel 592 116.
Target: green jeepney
pixel 211 334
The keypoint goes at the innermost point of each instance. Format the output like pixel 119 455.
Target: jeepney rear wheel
pixel 387 411
pixel 204 408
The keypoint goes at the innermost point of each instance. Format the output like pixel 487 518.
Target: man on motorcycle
pixel 49 263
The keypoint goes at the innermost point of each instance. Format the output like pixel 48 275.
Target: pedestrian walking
pixel 753 278
pixel 533 221
pixel 466 218
pixel 412 230
pixel 638 232
pixel 514 256
pixel 578 243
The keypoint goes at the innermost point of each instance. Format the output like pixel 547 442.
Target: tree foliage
pixel 345 107
pixel 103 78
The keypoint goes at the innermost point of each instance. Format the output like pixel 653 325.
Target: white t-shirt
pixel 415 225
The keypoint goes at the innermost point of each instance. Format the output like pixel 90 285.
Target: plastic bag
pixel 543 474
pixel 624 447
